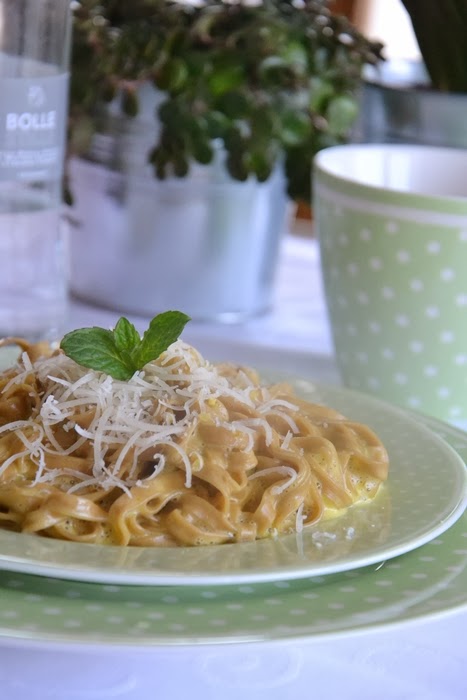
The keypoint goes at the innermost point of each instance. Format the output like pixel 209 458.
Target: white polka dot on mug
pixel 402 331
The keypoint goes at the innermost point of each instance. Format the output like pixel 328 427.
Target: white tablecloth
pixel 423 660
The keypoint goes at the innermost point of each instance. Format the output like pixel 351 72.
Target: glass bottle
pixel 34 63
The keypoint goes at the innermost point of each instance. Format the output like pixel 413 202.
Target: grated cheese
pixel 14 425
pixel 286 441
pixel 6 463
pixel 136 415
pixel 288 419
pixel 273 403
pixel 299 518
pixel 260 423
pixel 282 469
pixel 26 362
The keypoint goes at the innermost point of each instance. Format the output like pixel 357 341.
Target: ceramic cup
pixel 392 227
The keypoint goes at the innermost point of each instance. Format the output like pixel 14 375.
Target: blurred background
pixel 387 21
pixel 381 20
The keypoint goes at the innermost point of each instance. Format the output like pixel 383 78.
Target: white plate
pixel 425 494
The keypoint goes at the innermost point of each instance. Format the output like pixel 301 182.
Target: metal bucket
pixel 204 244
pixel 399 106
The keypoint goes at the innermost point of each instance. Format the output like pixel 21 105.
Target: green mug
pixel 392 227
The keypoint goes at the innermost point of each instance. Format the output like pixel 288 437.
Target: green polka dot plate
pixel 427 582
pixel 424 496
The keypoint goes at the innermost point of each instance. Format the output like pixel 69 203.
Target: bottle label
pixel 33 115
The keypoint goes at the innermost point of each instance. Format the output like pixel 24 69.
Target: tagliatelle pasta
pixel 184 453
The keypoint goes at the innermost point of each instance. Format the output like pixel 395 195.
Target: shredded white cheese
pixel 153 410
pixel 282 470
pixel 299 518
pixel 286 441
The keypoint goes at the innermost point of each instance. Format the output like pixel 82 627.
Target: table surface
pixel 421 660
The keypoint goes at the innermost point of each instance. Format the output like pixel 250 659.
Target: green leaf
pixel 294 53
pixel 233 104
pixel 271 64
pixel 296 128
pixel 216 124
pixel 261 165
pixel 225 78
pixel 321 91
pixel 95 348
pixel 203 152
pixel 163 330
pixel 341 114
pixel 121 352
pixel 126 336
pixel 180 165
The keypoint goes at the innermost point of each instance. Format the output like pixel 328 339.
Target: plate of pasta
pixel 194 473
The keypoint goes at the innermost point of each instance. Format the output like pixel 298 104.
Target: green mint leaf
pixel 95 348
pixel 126 336
pixel 121 352
pixel 163 330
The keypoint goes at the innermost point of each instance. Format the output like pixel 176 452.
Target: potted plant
pixel 216 109
pixel 422 101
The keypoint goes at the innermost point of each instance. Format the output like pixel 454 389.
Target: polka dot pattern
pixel 429 580
pixel 401 332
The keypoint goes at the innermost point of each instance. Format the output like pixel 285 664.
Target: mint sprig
pixel 121 352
